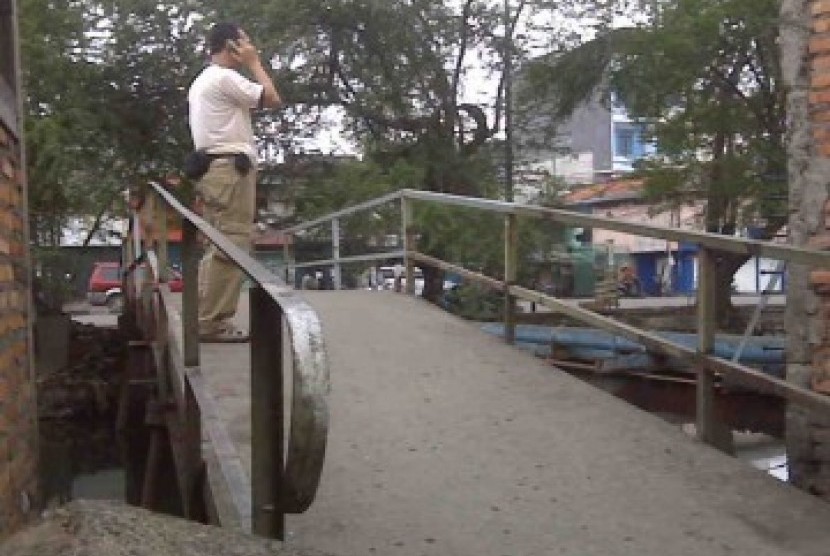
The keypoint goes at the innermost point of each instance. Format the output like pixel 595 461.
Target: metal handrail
pixel 710 244
pixel 738 245
pixel 718 242
pixel 277 486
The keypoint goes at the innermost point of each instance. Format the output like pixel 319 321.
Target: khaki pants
pixel 229 203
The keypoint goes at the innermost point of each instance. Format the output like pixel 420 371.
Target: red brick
pixel 819 44
pixel 819 97
pixel 820 80
pixel 820 63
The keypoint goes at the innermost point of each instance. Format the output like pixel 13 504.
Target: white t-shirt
pixel 220 111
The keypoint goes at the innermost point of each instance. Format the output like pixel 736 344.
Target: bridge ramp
pixel 445 441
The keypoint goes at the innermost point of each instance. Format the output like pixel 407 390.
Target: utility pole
pixel 508 104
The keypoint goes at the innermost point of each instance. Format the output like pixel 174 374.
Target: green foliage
pixel 475 303
pixel 353 182
pixel 105 98
pixel 705 76
pixel 395 69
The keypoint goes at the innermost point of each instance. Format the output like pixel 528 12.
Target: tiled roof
pixel 605 191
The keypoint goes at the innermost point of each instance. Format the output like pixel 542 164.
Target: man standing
pixel 221 101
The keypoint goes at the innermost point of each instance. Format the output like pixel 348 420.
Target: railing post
pixel 335 253
pixel 160 217
pixel 709 430
pixel 511 244
pixel 127 258
pixel 267 472
pixel 190 295
pixel 408 234
pixel 288 258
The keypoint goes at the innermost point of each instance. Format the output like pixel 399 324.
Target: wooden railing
pixel 282 480
pixel 707 366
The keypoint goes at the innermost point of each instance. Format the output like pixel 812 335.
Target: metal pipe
pixel 508 104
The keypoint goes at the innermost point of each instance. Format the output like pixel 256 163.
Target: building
pixel 597 142
pixel 18 410
pixel 663 267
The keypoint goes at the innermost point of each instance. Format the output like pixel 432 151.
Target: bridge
pixel 379 423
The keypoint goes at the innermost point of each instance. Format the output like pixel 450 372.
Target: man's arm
pixel 248 55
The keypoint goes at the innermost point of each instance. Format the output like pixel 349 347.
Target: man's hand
pixel 244 51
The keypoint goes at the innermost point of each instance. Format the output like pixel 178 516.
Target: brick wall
pixel 819 112
pixel 18 429
pixel 805 49
pixel 18 410
pixel 819 65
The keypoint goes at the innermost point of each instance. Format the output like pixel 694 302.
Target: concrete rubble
pixel 95 528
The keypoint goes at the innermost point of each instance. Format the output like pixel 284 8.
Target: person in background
pixel 220 101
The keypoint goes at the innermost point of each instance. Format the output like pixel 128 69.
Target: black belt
pixel 241 161
pixel 217 156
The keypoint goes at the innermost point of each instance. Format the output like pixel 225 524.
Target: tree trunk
pixel 725 314
pixel 433 284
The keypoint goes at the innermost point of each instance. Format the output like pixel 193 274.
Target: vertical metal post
pixel 288 259
pixel 127 258
pixel 266 415
pixel 337 270
pixel 190 295
pixel 192 500
pixel 160 217
pixel 408 231
pixel 511 245
pixel 508 103
pixel 706 420
pixel 137 274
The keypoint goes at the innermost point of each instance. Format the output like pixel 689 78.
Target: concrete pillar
pixel 805 51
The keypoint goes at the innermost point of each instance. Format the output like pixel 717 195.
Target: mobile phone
pixel 232 46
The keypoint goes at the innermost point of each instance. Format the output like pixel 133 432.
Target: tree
pixel 396 70
pixel 705 76
pixel 106 103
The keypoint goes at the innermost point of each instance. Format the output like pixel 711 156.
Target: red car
pixel 105 285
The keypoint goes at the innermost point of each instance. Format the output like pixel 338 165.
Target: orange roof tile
pixel 608 190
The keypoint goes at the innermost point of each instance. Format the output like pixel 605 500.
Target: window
pixel 625 143
pixel 628 141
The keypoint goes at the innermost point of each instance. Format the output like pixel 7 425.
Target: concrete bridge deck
pixel 445 441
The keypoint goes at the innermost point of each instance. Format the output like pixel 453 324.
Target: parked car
pixel 105 285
